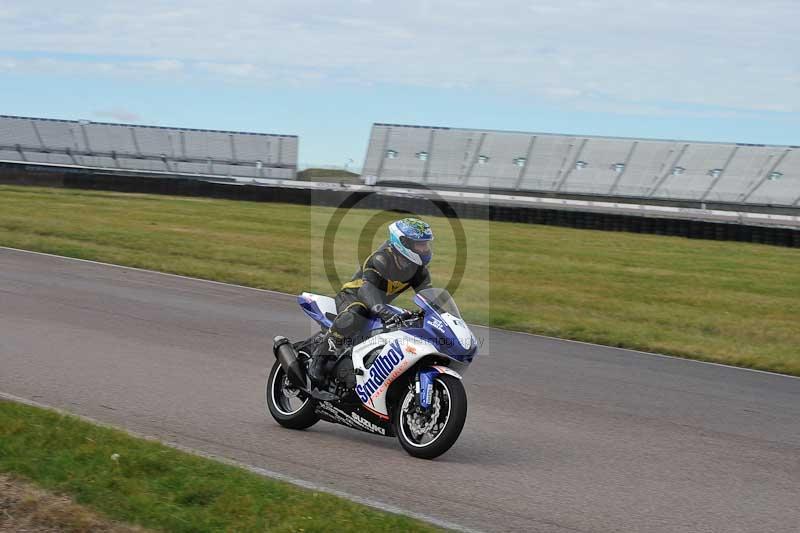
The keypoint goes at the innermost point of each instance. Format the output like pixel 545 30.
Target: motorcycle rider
pixel 399 263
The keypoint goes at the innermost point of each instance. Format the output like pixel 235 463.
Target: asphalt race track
pixel 560 436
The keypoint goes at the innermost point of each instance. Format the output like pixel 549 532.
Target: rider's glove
pixel 385 312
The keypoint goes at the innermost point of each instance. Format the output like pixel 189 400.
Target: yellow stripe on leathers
pixel 393 287
pixel 355 284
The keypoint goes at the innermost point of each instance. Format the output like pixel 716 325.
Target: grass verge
pixel 143 482
pixel 25 507
pixel 726 302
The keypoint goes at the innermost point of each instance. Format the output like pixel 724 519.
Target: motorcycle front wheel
pixel 428 433
pixel 289 406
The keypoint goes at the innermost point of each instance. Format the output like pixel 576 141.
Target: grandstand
pixel 700 190
pixel 645 169
pixel 150 149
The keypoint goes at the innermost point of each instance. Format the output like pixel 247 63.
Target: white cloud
pixel 159 65
pixel 659 54
pixel 236 70
pixel 71 65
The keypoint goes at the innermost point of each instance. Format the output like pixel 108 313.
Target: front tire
pixel 289 406
pixel 427 434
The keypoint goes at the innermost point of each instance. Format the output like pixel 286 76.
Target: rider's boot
pixel 328 348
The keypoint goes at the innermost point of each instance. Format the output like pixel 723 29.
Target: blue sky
pixel 704 70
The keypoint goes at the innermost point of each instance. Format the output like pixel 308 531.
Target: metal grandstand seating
pixel 147 148
pixel 586 165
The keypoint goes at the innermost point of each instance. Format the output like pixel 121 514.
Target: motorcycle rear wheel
pixel 288 406
pixel 427 434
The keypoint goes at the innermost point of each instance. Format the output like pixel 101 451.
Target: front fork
pixel 423 387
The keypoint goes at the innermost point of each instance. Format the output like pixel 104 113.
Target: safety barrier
pixel 694 229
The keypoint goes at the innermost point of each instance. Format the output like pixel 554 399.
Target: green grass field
pixel 146 483
pixel 727 302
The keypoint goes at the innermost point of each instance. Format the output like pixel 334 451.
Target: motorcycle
pixel 403 379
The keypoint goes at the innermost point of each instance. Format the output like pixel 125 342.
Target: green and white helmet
pixel 412 238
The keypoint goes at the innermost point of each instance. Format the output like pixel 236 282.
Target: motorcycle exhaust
pixel 287 356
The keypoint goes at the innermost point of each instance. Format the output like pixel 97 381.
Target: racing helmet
pixel 412 238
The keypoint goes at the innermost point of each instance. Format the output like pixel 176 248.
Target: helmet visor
pixel 422 248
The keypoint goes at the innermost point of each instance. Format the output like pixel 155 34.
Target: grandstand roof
pixel 582 136
pixel 128 125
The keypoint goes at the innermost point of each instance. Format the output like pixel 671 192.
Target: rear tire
pixel 290 407
pixel 445 418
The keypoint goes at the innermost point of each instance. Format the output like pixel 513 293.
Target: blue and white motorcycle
pixel 403 379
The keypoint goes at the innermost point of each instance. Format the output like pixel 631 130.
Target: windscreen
pixel 440 300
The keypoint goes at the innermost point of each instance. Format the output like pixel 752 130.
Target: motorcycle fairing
pixel 400 351
pixel 355 416
pixel 449 371
pixel 321 308
pixel 448 332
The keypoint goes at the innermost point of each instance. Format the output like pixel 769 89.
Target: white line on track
pixel 309 485
pixel 629 350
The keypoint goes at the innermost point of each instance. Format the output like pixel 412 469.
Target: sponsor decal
pixel 367 424
pixel 351 419
pixel 382 368
pixel 394 287
pixel 428 394
pixel 410 349
pixel 436 324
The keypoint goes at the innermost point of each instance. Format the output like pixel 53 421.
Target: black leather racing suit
pixel 382 277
